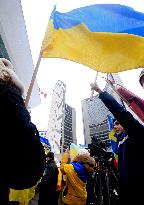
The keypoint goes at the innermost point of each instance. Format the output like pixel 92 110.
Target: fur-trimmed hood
pixel 8 75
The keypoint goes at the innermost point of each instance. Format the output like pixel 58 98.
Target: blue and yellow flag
pixel 73 150
pixel 46 144
pixel 105 37
pixel 78 149
pixel 113 137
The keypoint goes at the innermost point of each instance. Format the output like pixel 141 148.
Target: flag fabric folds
pixel 105 37
pixel 135 103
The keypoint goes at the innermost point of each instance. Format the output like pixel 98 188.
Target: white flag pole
pixel 92 92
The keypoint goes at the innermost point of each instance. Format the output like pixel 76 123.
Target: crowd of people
pixel 25 165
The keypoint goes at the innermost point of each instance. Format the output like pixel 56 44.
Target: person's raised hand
pixel 95 87
pixel 67 151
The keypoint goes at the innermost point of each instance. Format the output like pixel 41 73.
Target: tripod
pixel 106 185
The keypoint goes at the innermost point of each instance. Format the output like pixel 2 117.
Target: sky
pixel 76 77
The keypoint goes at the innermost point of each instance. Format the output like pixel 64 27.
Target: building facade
pixel 62 121
pixel 56 118
pixel 69 127
pixel 95 113
pixel 14 45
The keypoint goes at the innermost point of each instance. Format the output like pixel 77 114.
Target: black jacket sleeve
pixel 124 117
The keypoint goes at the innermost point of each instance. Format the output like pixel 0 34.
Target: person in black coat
pixel 22 156
pixel 131 154
pixel 48 184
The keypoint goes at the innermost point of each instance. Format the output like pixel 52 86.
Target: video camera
pixel 98 149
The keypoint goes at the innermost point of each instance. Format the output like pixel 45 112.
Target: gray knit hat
pixel 7 74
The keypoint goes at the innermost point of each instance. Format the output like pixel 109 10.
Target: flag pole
pixel 33 80
pixel 92 92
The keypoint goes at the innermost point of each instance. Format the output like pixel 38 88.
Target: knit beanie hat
pixel 141 75
pixel 8 75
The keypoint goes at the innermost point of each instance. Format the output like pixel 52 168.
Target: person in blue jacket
pixel 130 152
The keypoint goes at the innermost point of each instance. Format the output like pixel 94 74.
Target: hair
pixel 84 159
pixel 50 155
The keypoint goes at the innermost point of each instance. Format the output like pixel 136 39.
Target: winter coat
pixel 76 189
pixel 48 184
pixel 132 174
pixel 50 177
pixel 22 155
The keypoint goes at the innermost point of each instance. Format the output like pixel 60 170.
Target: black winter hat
pixel 50 155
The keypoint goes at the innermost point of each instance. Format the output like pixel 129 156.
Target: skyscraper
pixel 55 130
pixel 62 121
pixel 69 126
pixel 95 114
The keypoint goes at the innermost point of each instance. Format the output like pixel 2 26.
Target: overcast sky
pixel 76 77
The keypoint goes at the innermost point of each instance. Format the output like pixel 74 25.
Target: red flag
pixel 133 101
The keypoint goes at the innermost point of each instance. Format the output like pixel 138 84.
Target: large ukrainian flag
pixel 105 37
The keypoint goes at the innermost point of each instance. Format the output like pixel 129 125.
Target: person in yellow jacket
pixel 76 177
pixel 58 188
